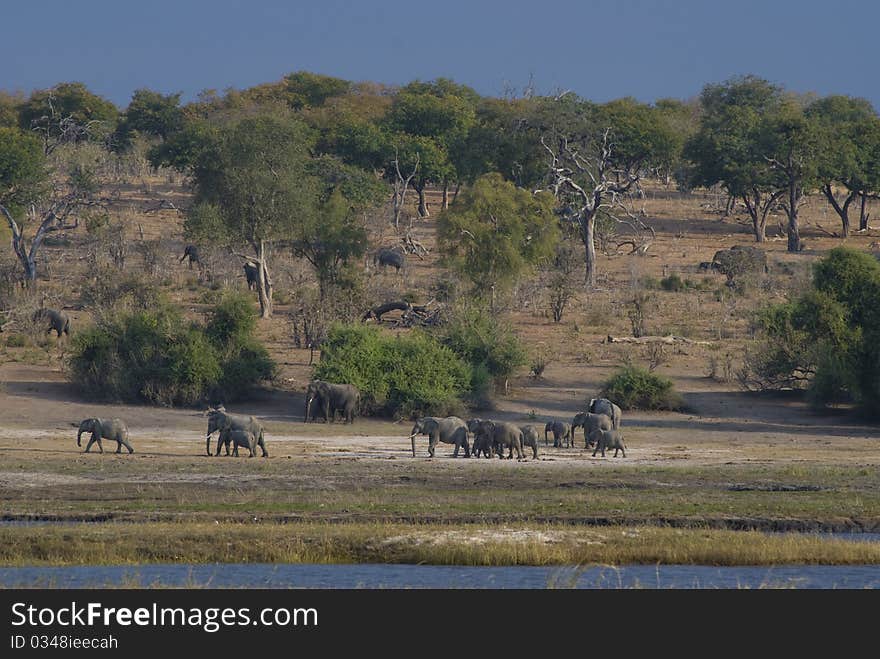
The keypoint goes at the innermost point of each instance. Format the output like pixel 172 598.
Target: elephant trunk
pixel 412 438
pixel 78 436
pixel 208 443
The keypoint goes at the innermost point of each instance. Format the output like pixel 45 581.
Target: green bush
pixel 825 340
pixel 673 283
pixel 634 388
pixel 490 347
pixel 156 356
pixel 403 376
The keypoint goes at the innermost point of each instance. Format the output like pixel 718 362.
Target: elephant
pixel 449 430
pixel 52 319
pixel 252 274
pixel 220 419
pixel 530 438
pixel 605 406
pixel 560 430
pixel 482 443
pixel 113 429
pixel 330 398
pixel 386 256
pixel 192 252
pixel 243 438
pixel 610 439
pixel 503 435
pixel 590 423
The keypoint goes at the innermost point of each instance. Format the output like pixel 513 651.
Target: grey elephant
pixel 386 256
pixel 590 423
pixel 561 431
pixel 219 419
pixel 449 430
pixel 243 438
pixel 530 438
pixel 52 319
pixel 482 441
pixel 329 398
pixel 609 439
pixel 503 435
pixel 605 406
pixel 191 252
pixel 252 274
pixel 112 429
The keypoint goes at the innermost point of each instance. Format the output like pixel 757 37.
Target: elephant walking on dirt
pixel 609 439
pixel 561 431
pixel 501 435
pixel 605 406
pixel 53 320
pixel 329 398
pixel 590 423
pixel 112 429
pixel 449 430
pixel 243 438
pixel 219 419
pixel 530 438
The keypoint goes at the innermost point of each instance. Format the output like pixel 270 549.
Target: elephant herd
pixel 600 424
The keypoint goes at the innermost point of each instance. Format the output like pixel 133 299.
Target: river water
pixel 436 576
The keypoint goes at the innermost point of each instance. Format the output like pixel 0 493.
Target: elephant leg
pixel 91 441
pixel 124 442
pixel 432 444
pixel 219 443
pixel 100 446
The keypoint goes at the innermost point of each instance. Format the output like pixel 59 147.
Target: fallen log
pixel 668 340
pixel 397 305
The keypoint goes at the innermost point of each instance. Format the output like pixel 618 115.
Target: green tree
pixel 151 113
pixel 67 113
pixel 726 149
pixel 494 231
pixel 28 184
pixel 9 109
pixel 252 186
pixel 826 339
pixel 849 155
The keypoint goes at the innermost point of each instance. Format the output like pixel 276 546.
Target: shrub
pixel 489 346
pixel 155 356
pixel 673 283
pixel 403 376
pixel 632 387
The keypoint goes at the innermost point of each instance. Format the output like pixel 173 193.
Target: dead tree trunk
pixel 445 203
pixel 53 220
pixel 423 204
pixel 264 281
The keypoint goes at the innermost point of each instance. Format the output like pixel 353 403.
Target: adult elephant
pixel 605 406
pixel 449 430
pixel 252 275
pixel 219 419
pixel 530 438
pixel 113 429
pixel 329 398
pixel 590 423
pixel 560 430
pixel 53 320
pixel 498 435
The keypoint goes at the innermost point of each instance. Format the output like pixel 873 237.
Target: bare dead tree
pixel 60 213
pixel 56 129
pixel 400 187
pixel 587 182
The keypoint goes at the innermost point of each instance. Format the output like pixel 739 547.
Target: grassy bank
pixel 116 544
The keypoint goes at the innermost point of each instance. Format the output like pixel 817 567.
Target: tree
pixel 726 151
pixel 789 141
pixel 151 113
pixel 67 113
pixel 596 156
pixel 825 340
pixel 430 120
pixel 31 195
pixel 496 230
pixel 849 154
pixel 9 109
pixel 253 186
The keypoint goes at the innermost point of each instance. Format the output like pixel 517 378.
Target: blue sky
pixel 600 49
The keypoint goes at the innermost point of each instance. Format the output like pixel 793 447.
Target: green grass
pixel 114 544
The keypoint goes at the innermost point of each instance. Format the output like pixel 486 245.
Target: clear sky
pixel 600 49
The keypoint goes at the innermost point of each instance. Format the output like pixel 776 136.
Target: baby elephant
pixel 530 438
pixel 610 439
pixel 243 438
pixel 561 432
pixel 113 429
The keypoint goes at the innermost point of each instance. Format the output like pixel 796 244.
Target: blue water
pixel 433 576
